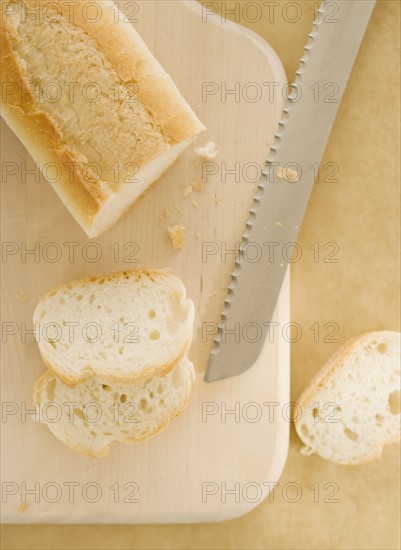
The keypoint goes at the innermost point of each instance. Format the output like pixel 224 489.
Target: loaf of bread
pixel 123 328
pixel 91 104
pixel 352 408
pixel 106 413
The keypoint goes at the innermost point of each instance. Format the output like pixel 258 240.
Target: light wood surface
pixel 172 469
pixel 360 293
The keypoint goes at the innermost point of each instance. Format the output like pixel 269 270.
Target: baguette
pixel 123 328
pixel 94 108
pixel 352 407
pixel 103 414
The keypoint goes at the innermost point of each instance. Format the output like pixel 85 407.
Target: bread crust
pixel 129 380
pixel 119 43
pixel 334 364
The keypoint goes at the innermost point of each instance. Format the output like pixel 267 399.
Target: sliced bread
pixel 122 328
pixel 104 413
pixel 352 407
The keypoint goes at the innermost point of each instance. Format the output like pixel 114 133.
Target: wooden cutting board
pixel 210 464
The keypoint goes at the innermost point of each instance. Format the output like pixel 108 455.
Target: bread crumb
pixel 194 204
pixel 187 191
pixel 306 451
pixel 165 214
pixel 208 151
pixel 288 174
pixel 217 200
pixel 22 297
pixel 278 224
pixel 198 185
pixel 22 507
pixel 177 236
pixel 198 235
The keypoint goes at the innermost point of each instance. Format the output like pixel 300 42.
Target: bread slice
pixel 352 408
pixel 104 413
pixel 122 328
pixel 91 104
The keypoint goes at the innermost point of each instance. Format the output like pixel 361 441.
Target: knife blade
pixel 284 189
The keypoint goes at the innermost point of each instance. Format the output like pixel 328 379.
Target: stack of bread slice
pixel 115 350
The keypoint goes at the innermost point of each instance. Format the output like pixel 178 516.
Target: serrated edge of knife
pixel 261 186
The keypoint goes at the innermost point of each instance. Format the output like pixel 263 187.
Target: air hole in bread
pixel 154 335
pixel 350 434
pixel 394 402
pixel 151 395
pixel 161 402
pixel 93 434
pixel 91 298
pixel 121 350
pixel 79 297
pixel 315 413
pixel 123 398
pixel 101 281
pixel 178 310
pixel 160 388
pixel 42 313
pixel 379 419
pixel 108 434
pixel 115 396
pixel 62 301
pixel 78 413
pixel 152 313
pixel 105 387
pixel 382 348
pixel 122 319
pixel 143 404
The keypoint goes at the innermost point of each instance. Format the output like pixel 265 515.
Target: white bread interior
pixel 127 414
pixel 123 328
pixel 352 407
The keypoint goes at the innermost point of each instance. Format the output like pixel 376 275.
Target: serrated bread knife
pixel 286 184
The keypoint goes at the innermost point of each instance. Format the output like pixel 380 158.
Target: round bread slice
pixel 91 416
pixel 352 407
pixel 122 328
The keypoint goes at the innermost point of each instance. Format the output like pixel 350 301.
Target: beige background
pixel 359 293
